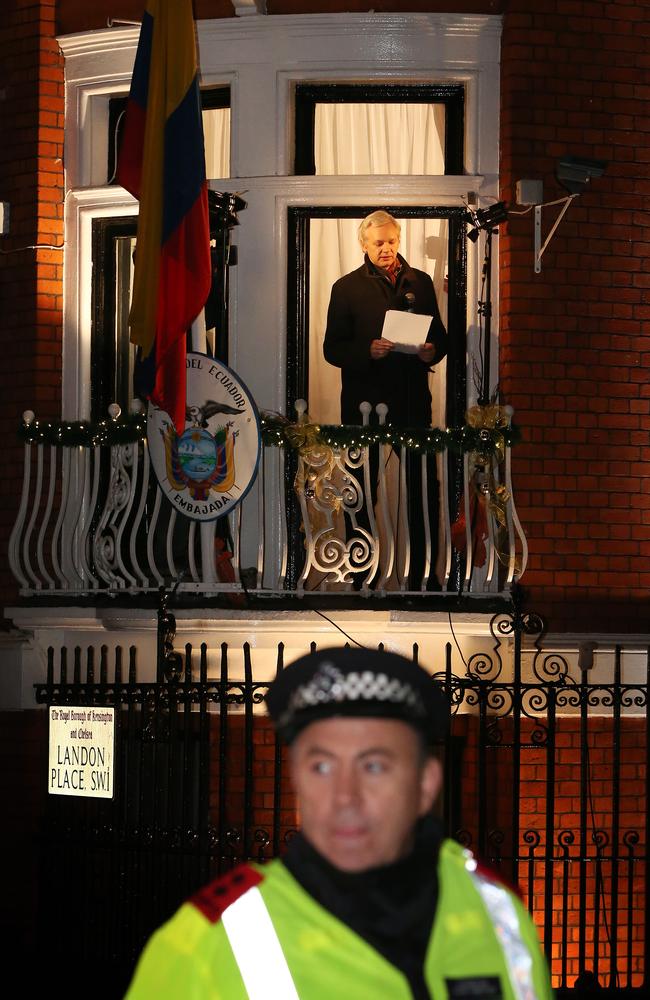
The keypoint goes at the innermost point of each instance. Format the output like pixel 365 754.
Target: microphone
pixel 409 299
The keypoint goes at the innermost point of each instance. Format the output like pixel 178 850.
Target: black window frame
pixel 109 364
pixel 308 95
pixel 297 367
pixel 108 383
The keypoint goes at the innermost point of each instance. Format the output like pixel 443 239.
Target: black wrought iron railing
pixel 546 778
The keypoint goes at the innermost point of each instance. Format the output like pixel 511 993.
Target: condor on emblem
pixel 209 468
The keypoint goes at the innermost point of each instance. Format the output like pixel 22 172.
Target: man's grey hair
pixel 378 218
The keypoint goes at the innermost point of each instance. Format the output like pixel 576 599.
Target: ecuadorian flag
pixel 162 163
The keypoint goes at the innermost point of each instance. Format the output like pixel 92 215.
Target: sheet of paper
pixel 406 330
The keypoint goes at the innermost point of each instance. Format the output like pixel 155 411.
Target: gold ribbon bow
pixel 315 466
pixel 491 417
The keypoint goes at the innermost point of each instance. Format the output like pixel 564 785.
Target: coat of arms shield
pixel 209 467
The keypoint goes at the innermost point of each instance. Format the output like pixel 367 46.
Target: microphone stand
pixel 485 310
pixel 484 220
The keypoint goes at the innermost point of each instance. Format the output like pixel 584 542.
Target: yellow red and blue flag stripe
pixel 162 162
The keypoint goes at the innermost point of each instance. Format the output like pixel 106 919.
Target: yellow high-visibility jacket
pixel 256 934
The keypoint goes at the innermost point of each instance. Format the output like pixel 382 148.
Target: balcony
pixel 92 520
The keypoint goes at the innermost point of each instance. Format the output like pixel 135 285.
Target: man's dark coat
pixel 355 318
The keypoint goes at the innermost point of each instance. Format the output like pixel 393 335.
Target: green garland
pixel 278 432
pixel 84 433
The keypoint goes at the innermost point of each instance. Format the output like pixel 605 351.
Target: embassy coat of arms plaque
pixel 208 469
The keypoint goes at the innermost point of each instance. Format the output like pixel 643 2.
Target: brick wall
pixel 262 782
pixel 31 176
pixel 487 774
pixel 575 343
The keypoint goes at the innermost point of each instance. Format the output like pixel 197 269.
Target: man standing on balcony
pixel 374 371
pixel 370 901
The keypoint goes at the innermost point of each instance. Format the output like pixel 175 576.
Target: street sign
pixel 82 740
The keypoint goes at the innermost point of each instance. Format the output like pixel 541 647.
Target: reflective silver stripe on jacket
pixel 257 950
pixel 501 909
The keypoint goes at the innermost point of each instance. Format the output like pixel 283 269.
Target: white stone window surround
pixel 261 58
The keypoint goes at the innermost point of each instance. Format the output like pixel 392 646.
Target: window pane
pixel 216 131
pixel 334 251
pixel 379 138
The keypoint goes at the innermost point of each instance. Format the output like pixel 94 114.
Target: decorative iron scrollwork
pixel 330 498
pixel 601 839
pixel 552 668
pixel 630 839
pixel 261 841
pixel 233 838
pixel 482 667
pixel 496 840
pixel 630 699
pixel 566 838
pixel 464 838
pixel 106 549
pixel 532 839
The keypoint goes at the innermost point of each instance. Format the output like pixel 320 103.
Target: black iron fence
pixel 546 777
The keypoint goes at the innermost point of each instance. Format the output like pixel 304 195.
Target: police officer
pixel 370 902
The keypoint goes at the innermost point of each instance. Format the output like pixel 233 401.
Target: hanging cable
pixel 342 631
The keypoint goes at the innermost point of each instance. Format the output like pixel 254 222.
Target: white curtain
pixel 379 138
pixel 216 133
pixel 371 139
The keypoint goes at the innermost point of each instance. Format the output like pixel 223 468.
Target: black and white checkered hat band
pixel 330 686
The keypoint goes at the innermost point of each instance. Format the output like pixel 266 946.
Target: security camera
pixel 575 172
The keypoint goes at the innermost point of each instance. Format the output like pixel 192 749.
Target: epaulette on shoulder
pixel 217 896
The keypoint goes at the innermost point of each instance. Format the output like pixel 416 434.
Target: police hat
pixel 356 682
